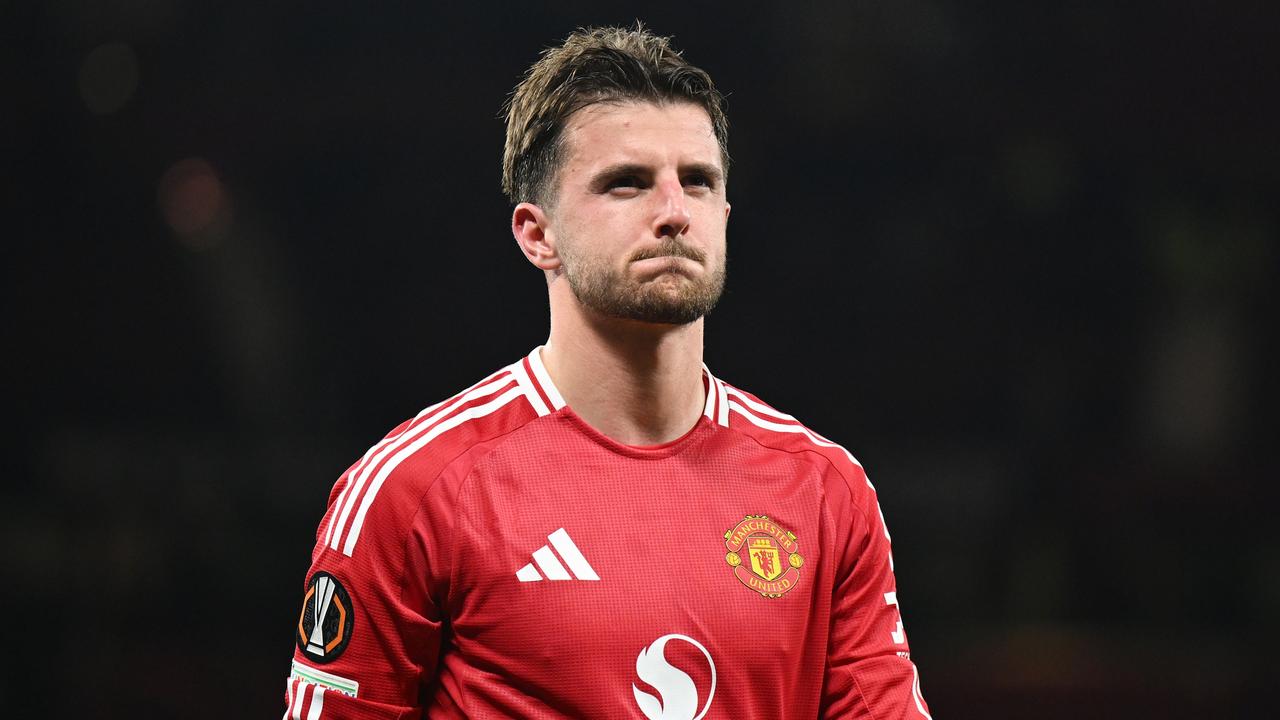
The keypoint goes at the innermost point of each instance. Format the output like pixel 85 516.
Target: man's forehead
pixel 613 130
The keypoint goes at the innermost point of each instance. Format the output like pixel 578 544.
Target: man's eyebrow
pixel 711 171
pixel 623 169
pixel 617 170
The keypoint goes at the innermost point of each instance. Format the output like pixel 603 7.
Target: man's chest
pixel 629 576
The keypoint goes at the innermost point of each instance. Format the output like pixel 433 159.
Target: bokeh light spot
pixel 193 201
pixel 108 78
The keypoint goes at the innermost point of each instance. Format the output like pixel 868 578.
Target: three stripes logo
pixel 324 627
pixel 551 566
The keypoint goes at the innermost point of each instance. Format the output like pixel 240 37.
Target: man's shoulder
pixel 496 405
pixel 781 432
pixel 395 473
pixel 844 479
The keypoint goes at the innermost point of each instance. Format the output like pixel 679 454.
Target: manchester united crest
pixel 763 555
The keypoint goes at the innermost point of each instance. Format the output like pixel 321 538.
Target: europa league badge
pixel 324 627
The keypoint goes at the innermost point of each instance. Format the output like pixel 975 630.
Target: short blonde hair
pixel 594 65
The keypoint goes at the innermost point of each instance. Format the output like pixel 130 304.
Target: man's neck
pixel 638 383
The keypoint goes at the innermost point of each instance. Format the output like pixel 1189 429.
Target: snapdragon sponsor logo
pixel 677 693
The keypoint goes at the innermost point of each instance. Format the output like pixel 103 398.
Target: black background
pixel 1018 257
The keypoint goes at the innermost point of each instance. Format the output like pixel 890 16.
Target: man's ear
pixel 531 228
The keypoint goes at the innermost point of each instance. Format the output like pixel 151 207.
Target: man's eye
pixel 697 179
pixel 626 181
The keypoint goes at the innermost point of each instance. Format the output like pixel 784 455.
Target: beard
pixel 606 291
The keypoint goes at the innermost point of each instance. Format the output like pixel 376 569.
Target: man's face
pixel 639 220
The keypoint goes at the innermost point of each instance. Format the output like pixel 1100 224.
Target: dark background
pixel 1019 257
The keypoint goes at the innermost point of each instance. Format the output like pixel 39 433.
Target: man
pixel 604 528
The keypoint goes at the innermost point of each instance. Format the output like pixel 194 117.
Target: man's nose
pixel 673 214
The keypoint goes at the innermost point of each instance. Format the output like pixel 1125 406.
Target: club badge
pixel 763 555
pixel 324 627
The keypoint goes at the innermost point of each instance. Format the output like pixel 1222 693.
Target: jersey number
pixel 899 635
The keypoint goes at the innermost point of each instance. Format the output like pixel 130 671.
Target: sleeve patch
pixel 325 624
pixel 328 681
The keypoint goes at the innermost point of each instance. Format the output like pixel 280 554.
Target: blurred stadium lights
pixel 108 78
pixel 194 203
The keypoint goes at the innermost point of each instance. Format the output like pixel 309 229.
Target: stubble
pixel 671 301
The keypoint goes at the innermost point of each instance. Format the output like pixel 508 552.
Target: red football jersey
pixel 497 557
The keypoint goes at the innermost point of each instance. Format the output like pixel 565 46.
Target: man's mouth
pixel 670 249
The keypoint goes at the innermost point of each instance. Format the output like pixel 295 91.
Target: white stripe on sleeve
pixel 295 710
pixel 288 698
pixel 317 703
pixel 387 468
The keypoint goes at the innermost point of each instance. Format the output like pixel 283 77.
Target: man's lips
pixel 660 264
pixel 670 249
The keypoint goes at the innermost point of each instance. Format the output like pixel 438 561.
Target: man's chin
pixel 671 299
pixel 669 314
pixel 662 313
pixel 667 320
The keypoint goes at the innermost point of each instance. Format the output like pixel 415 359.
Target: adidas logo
pixel 550 565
